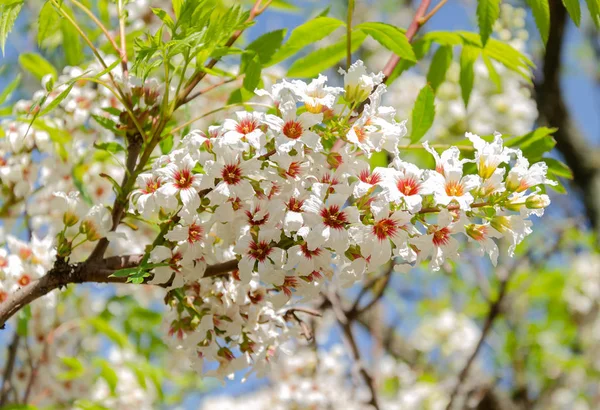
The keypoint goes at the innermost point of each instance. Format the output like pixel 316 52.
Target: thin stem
pixel 8 370
pixel 452 208
pixel 438 146
pixel 434 10
pixel 210 88
pixel 193 120
pixel 349 34
pixel 123 37
pixel 91 15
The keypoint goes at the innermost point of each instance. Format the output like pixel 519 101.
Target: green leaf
pixel 12 86
pixel 574 10
pixel 324 58
pixel 379 159
pixel 390 37
pixel 75 368
pixel 535 143
pixel 107 373
pixel 541 14
pixel 8 14
pixel 468 56
pixel 423 113
pixel 594 8
pixel 266 45
pixel 106 123
pixel 439 66
pixel 558 168
pixel 166 144
pixel 105 328
pixel 252 72
pixel 37 65
pixel 71 41
pixel 304 35
pixel 421 48
pixel 59 98
pixel 23 321
pixel 48 22
pixel 177 7
pixel 487 13
pixel 112 147
pixel 494 76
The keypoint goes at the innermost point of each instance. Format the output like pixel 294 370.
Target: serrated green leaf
pixel 324 58
pixel 23 321
pixel 8 14
pixel 594 8
pixel 252 72
pixel 535 143
pixel 105 328
pixel 304 35
pixel 423 114
pixel 468 56
pixel 166 144
pixel 12 86
pixel 59 98
pixel 487 13
pixel 266 45
pixel 48 22
pixel 541 14
pixel 108 374
pixel 105 123
pixel 75 369
pixel 177 7
pixel 494 76
pixel 112 147
pixel 421 48
pixel 390 37
pixel 439 66
pixel 37 65
pixel 574 10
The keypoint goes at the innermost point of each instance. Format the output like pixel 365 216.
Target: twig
pixel 355 309
pixel 494 311
pixel 10 364
pixel 346 324
pixel 349 34
pixel 210 88
pixel 410 33
pixel 434 10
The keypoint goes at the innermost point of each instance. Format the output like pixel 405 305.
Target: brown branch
pixel 577 150
pixel 386 277
pixel 346 325
pixel 494 311
pixel 64 274
pixel 8 370
pixel 414 27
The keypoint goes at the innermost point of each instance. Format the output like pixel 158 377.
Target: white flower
pixel 316 96
pixel 97 223
pixel 358 84
pixel 233 173
pixel 243 132
pixel 403 185
pixel 70 206
pixel 179 178
pixel 489 155
pixel 438 242
pixel 522 176
pixel 293 131
pixel 452 186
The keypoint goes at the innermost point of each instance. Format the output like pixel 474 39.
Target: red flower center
pixel 294 205
pixel 294 169
pixel 151 186
pixel 183 178
pixel 333 217
pixel 408 186
pixel 256 222
pixel 385 228
pixel 195 233
pixel 360 133
pixel 246 126
pixel 293 130
pixel 441 237
pixel 232 174
pixel 260 250
pixel 368 177
pixel 24 280
pixel 308 254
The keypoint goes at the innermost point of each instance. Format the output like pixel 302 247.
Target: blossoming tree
pixel 172 159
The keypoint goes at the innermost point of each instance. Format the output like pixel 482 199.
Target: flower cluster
pixel 290 195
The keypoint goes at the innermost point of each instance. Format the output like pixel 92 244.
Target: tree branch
pixel 63 274
pixel 11 356
pixel 583 159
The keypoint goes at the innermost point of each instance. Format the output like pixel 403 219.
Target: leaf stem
pixel 349 34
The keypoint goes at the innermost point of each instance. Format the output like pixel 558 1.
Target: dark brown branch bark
pixel 583 159
pixel 11 356
pixel 64 274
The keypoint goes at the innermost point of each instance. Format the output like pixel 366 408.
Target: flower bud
pixel 537 201
pixel 501 223
pixel 477 232
pixel 70 218
pixel 334 159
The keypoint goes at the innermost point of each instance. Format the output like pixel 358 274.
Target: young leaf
pixel 439 66
pixel 422 114
pixel 252 72
pixel 324 58
pixel 390 37
pixel 48 22
pixel 37 65
pixel 8 15
pixel 594 8
pixel 467 75
pixel 574 10
pixel 304 35
pixel 487 13
pixel 558 168
pixel 541 13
